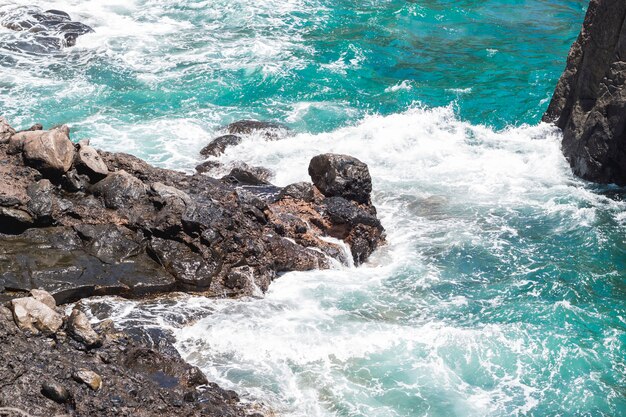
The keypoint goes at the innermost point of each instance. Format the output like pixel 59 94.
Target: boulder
pixel 51 152
pixel 298 191
pixel 6 131
pixel 190 269
pixel 119 189
pixel 341 176
pixel 44 297
pixel 33 315
pixel 79 329
pixel 589 102
pixel 270 130
pixel 89 378
pixel 89 162
pixel 219 145
pixel 245 174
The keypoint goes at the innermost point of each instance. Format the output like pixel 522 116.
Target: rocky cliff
pixel 589 103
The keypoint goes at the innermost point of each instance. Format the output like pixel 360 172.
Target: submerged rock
pixel 589 103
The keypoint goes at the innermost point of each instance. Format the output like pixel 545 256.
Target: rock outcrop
pixel 79 222
pixel 124 375
pixel 589 103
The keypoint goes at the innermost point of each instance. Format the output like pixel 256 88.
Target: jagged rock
pixel 56 392
pixel 41 201
pixel 44 297
pixel 50 152
pixel 589 102
pixel 119 189
pixel 298 191
pixel 208 167
pixel 341 176
pixel 89 162
pixel 34 316
pixel 6 131
pixel 248 175
pixel 89 378
pixel 79 329
pixel 271 130
pixel 187 267
pixel 219 145
pixel 72 181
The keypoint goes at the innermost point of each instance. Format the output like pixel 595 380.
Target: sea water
pixel 501 290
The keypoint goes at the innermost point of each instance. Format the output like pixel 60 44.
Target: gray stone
pixel 119 189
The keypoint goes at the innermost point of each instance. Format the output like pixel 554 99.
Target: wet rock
pixel 79 329
pixel 270 130
pixel 208 167
pixel 589 102
pixel 89 378
pixel 41 201
pixel 6 131
pixel 119 189
pixel 341 176
pixel 56 392
pixel 219 145
pixel 187 267
pixel 34 316
pixel 89 162
pixel 298 191
pixel 50 152
pixel 248 175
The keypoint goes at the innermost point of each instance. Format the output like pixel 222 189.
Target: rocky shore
pixel 79 222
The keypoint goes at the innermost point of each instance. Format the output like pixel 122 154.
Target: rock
pixel 6 131
pixel 13 219
pixel 208 167
pixel 56 392
pixel 79 329
pixel 248 175
pixel 189 269
pixel 168 193
pixel 341 176
pixel 589 102
pixel 89 162
pixel 298 191
pixel 89 378
pixel 72 181
pixel 32 315
pixel 271 130
pixel 41 201
pixel 119 189
pixel 51 152
pixel 44 297
pixel 219 145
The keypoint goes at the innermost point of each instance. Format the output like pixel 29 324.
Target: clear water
pixel 502 290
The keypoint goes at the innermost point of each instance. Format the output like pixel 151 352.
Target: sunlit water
pixel 501 291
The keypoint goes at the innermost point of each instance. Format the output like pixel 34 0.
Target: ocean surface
pixel 502 289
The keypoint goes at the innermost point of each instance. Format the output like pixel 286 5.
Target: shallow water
pixel 501 291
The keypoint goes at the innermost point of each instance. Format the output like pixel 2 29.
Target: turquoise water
pixel 501 291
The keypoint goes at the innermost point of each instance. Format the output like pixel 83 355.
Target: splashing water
pixel 501 290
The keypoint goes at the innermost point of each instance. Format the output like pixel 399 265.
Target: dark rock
pixel 187 267
pixel 248 175
pixel 219 145
pixel 41 201
pixel 51 152
pixel 79 328
pixel 298 191
pixel 208 167
pixel 342 176
pixel 119 189
pixel 271 130
pixel 72 181
pixel 56 392
pixel 589 103
pixel 89 162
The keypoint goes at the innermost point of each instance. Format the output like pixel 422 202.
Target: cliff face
pixel 589 103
